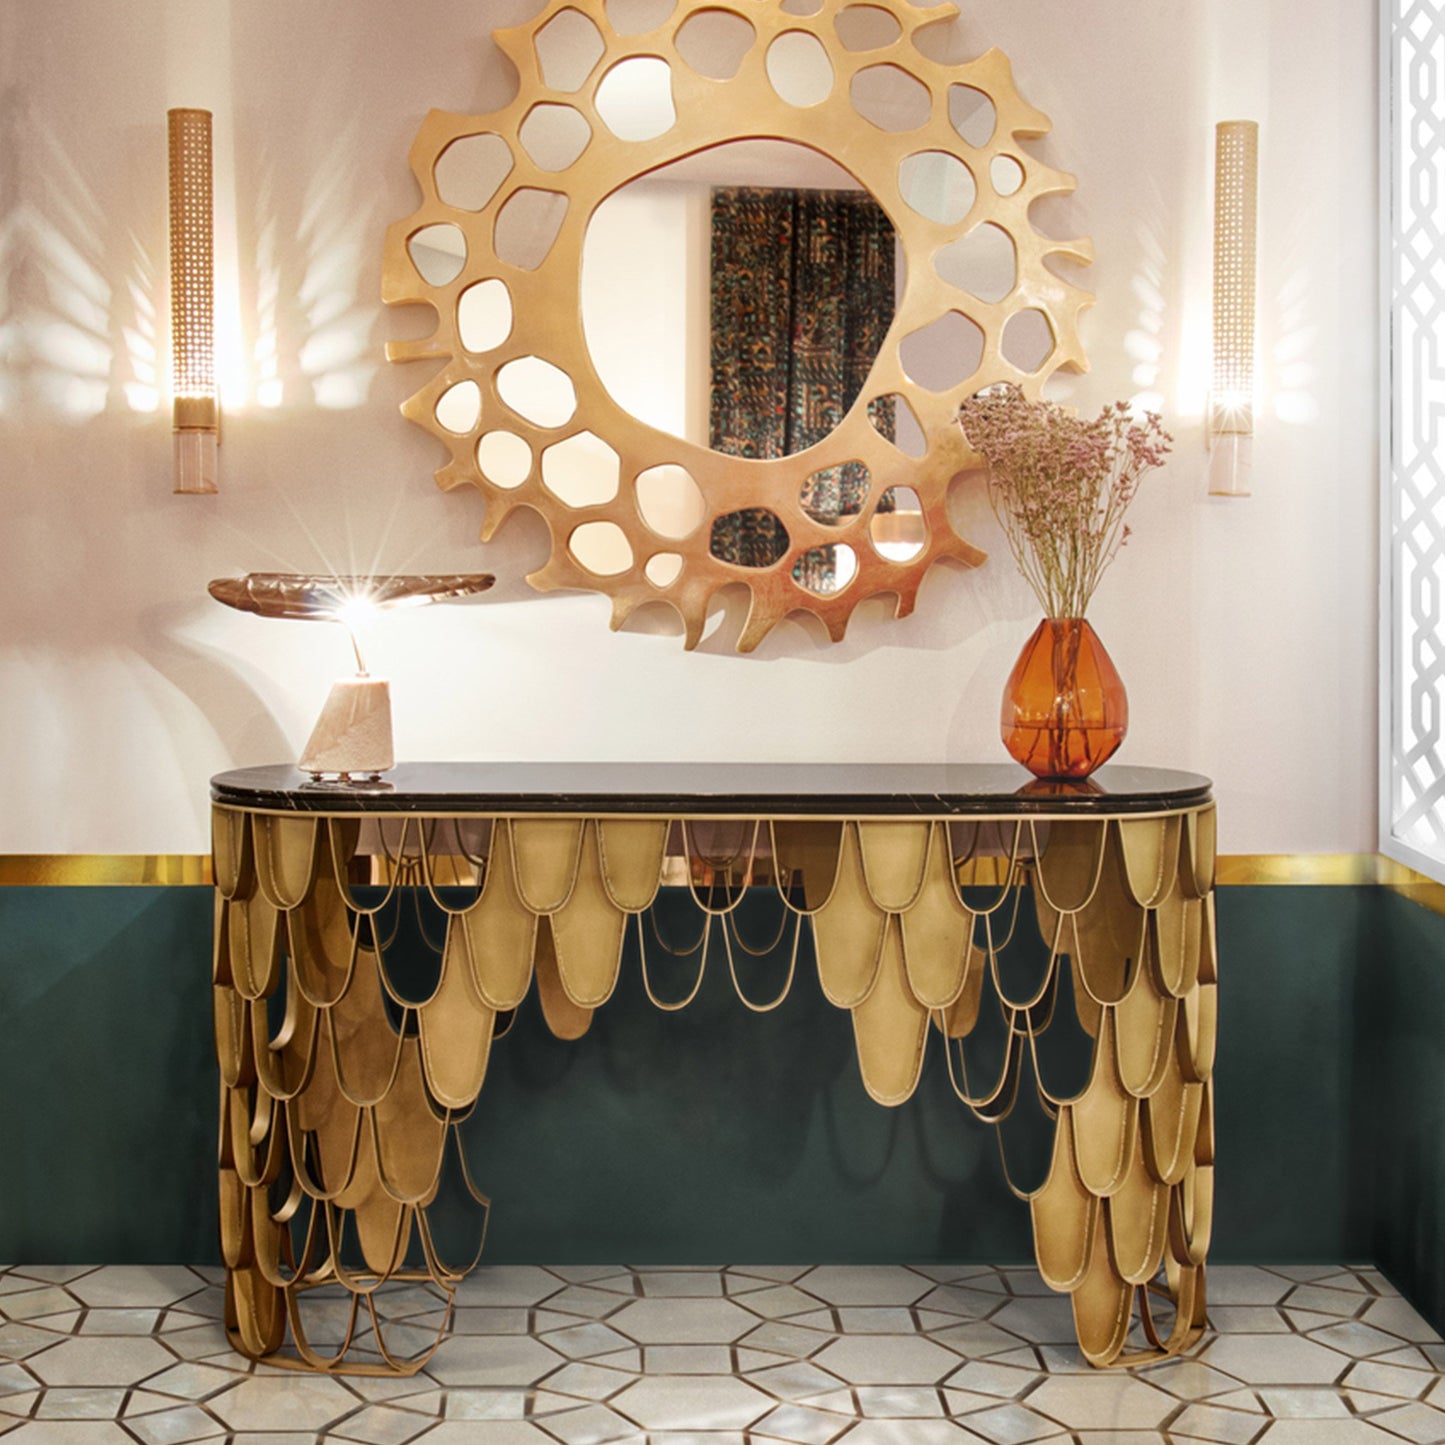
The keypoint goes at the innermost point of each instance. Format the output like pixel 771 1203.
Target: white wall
pixel 1245 629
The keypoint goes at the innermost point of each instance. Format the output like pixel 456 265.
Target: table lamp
pixel 351 741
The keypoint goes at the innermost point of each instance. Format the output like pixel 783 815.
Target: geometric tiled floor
pixel 1316 1355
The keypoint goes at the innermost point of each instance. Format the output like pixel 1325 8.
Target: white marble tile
pixel 487 1432
pixel 588 1382
pixel 135 1286
pixel 911 1432
pixel 37 1303
pixel 991 1377
pixel 14 1379
pixel 1102 1401
pixel 778 1302
pixel 129 1322
pixel 786 1339
pixel 1305 1320
pixel 480 1320
pixel 1304 1403
pixel 190 1381
pixel 69 1432
pixel 1188 1379
pixel 1012 1424
pixel 1249 1401
pixel 1044 1321
pixel 1274 1360
pixel 382 1425
pixel 1382 1379
pixel 586 1300
pixel 583 1342
pixel 1325 1301
pixel 779 1273
pixel 1356 1339
pixel 1245 1284
pixel 303 1402
pixel 876 1320
pixel 629 1359
pixel 588 1273
pixel 1247 1319
pixel 1326 1432
pixel 697 1359
pixel 592 1425
pixel 81 1403
pixel 978 1339
pixel 1211 1422
pixel 801 1424
pixel 104 1360
pixel 486 1404
pixel 501 1360
pixel 19 1342
pixel 900 1402
pixel 1419 1423
pixel 692 1403
pixel 887 1360
pixel 52 1273
pixel 1365 1403
pixel 683 1321
pixel 697 1437
pixel 496 1285
pixel 963 1301
pixel 175 1426
pixel 854 1284
pixel 842 1359
pixel 673 1284
pixel 797 1380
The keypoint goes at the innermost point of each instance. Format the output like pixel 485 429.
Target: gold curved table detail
pixel 335 1123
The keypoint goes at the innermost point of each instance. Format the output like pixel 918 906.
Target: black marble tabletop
pixel 699 789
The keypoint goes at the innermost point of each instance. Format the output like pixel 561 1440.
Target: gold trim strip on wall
pixel 92 870
pixel 98 870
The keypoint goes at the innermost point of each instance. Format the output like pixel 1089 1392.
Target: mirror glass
pixel 651 309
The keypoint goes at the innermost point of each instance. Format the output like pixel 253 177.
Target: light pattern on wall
pixel 1413 797
pixel 347 1074
pixel 506 199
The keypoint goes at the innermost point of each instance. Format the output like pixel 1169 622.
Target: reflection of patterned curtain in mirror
pixel 802 296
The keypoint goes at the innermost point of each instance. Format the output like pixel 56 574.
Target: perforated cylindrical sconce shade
pixel 193 340
pixel 1231 420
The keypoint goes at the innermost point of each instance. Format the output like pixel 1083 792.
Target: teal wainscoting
pixel 1401 1105
pixel 715 1134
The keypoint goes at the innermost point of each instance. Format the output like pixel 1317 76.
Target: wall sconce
pixel 351 741
pixel 193 342
pixel 1231 401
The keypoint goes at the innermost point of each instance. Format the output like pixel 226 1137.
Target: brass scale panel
pixel 327 1101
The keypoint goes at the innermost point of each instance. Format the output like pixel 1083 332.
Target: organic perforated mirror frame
pixel 547 313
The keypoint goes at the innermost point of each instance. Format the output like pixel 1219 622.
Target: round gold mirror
pixel 827 235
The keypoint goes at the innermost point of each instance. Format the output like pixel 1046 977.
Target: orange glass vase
pixel 1065 710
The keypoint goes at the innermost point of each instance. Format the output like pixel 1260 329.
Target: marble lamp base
pixel 353 734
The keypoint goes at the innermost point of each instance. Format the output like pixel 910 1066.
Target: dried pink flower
pixel 1060 486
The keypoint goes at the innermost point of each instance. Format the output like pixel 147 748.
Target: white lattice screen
pixel 1413 524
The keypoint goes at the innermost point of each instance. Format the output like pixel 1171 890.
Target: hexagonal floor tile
pixel 696 1402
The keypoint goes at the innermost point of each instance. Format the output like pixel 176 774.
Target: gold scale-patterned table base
pixel 335 1122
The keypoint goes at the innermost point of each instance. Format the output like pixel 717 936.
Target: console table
pixel 341 1096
